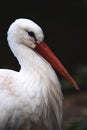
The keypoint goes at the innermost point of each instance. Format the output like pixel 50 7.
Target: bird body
pixel 26 93
pixel 31 98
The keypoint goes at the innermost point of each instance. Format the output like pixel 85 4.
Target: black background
pixel 64 24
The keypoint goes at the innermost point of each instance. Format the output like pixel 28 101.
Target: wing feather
pixel 53 110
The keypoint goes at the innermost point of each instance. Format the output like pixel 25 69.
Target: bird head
pixel 27 33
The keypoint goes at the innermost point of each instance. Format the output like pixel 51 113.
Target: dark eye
pixel 32 35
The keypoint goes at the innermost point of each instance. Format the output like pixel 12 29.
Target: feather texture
pixel 30 99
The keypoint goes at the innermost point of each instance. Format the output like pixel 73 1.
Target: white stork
pixel 31 99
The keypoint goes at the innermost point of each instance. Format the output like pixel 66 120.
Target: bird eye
pixel 32 35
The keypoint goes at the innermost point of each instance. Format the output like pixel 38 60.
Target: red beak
pixel 47 53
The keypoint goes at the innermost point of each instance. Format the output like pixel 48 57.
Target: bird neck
pixel 27 58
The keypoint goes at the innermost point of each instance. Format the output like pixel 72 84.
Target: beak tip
pixel 76 86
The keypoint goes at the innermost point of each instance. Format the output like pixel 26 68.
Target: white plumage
pixel 30 98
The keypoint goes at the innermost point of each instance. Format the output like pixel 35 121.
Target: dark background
pixel 64 24
pixel 65 27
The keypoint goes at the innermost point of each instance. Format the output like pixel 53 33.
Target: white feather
pixel 27 96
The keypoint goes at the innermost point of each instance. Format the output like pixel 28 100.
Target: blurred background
pixel 65 27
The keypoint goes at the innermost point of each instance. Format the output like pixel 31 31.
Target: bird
pixel 31 98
